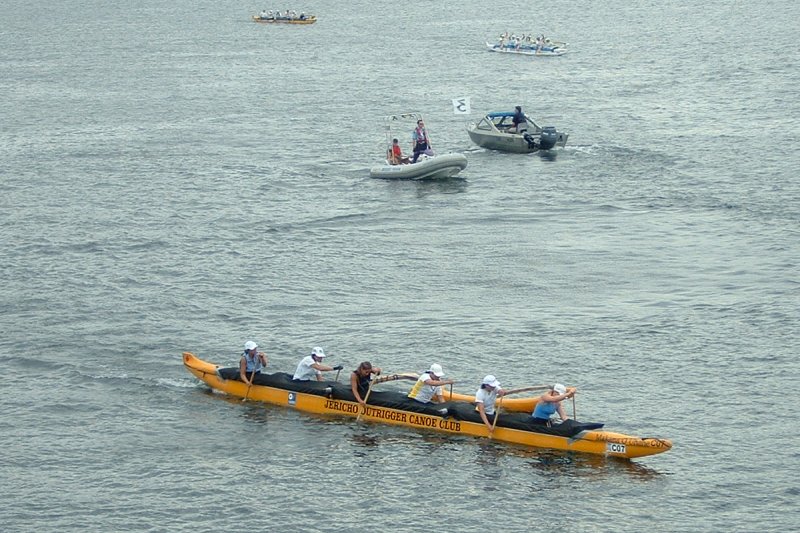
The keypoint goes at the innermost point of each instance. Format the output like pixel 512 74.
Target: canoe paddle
pixel 496 416
pixel 250 384
pixel 369 391
pixel 574 412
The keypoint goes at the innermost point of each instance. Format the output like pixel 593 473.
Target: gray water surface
pixel 175 177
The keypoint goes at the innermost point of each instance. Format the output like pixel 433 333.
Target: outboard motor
pixel 549 138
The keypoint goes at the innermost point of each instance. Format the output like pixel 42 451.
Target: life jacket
pixel 422 135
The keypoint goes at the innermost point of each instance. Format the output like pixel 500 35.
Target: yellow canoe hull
pixel 594 442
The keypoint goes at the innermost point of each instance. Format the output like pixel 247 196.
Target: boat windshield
pixel 501 120
pixel 484 124
pixel 504 120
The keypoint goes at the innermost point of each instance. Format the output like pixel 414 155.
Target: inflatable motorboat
pixel 429 166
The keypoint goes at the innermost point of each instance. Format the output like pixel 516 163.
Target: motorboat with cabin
pixel 496 131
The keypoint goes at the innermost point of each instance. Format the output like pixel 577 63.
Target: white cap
pixel 250 345
pixel 559 388
pixel 491 381
pixel 318 352
pixel 436 370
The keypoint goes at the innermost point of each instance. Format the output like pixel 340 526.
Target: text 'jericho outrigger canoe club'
pixel 405 418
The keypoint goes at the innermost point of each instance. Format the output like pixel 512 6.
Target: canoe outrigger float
pixel 389 407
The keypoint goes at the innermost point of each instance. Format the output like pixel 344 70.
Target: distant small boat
pixel 541 46
pixel 281 19
pixel 493 132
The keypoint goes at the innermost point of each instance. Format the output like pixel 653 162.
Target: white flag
pixel 461 106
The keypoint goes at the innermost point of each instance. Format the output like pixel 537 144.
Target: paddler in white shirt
pixel 428 388
pixel 311 367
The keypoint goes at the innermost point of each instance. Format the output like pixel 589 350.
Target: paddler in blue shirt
pixel 252 362
pixel 550 403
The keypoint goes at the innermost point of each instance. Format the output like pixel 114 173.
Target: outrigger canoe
pixel 549 48
pixel 454 417
pixel 285 20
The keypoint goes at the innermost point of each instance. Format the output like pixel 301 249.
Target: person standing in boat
pixel 550 403
pixel 360 380
pixel 422 143
pixel 519 120
pixel 251 363
pixel 428 388
pixel 311 367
